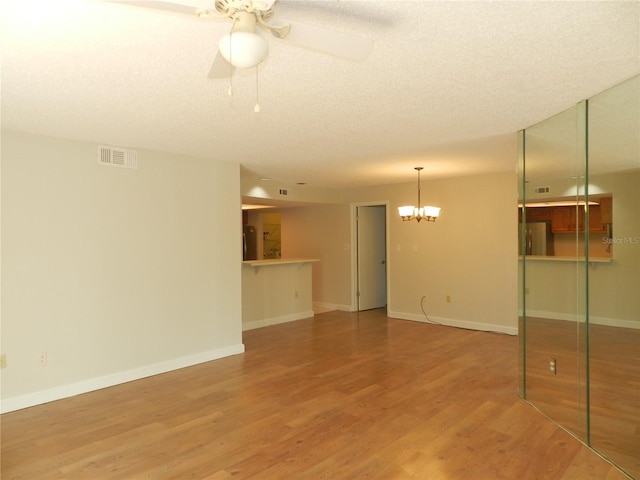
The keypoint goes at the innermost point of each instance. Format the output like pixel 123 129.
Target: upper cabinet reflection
pixel 560 212
pixel 550 227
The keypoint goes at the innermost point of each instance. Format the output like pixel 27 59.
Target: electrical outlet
pixel 42 359
pixel 552 366
pixel 448 298
pixel 3 361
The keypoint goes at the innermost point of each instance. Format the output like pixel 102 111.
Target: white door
pixel 371 257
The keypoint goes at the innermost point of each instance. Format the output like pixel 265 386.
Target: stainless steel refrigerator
pixel 538 239
pixel 249 243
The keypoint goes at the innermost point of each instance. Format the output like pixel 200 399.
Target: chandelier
pixel 409 212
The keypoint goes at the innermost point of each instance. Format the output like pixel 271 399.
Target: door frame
pixel 354 249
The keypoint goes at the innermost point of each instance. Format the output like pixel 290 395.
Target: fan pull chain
pixel 257 107
pixel 230 90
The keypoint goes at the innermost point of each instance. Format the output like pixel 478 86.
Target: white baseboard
pixel 614 322
pixel 265 322
pixel 609 322
pixel 450 322
pixel 85 386
pixel 331 306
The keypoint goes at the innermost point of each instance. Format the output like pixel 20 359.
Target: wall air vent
pixel 117 157
pixel 541 190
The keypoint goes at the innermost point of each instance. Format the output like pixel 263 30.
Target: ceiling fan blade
pixel 220 68
pixel 336 43
pixel 263 5
pixel 188 7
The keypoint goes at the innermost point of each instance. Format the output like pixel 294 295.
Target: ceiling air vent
pixel 117 157
pixel 541 190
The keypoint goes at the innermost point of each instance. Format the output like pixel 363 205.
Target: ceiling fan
pixel 243 47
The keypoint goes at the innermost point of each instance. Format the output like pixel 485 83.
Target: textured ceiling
pixel 446 85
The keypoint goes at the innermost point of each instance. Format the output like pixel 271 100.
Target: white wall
pixel 275 293
pixel 256 188
pixel 114 273
pixel 322 232
pixel 613 287
pixel 469 253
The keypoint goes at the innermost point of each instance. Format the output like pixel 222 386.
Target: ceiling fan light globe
pixel 243 49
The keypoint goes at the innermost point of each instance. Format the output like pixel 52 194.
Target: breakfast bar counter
pixel 276 291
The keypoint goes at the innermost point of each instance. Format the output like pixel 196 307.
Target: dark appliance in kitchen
pixel 249 243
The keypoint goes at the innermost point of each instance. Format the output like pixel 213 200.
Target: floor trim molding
pixel 450 322
pixel 92 384
pixel 265 322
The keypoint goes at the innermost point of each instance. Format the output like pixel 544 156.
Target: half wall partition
pixel 579 278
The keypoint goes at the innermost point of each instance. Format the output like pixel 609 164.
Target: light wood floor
pixel 614 383
pixel 340 396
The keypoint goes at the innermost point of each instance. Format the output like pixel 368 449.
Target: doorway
pixel 370 228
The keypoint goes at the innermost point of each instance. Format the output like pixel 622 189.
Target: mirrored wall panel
pixel 552 246
pixel 614 287
pixel 579 246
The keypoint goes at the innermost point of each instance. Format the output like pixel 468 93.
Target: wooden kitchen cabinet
pixel 606 210
pixel 538 214
pixel 570 219
pixel 596 225
pixel 566 219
